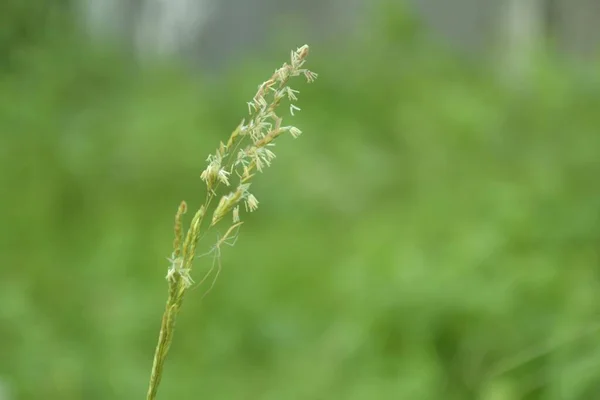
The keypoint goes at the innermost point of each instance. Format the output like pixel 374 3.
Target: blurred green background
pixel 434 234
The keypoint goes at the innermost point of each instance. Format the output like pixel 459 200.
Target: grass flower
pixel 249 150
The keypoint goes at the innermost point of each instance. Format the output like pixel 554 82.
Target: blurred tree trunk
pixel 169 27
pixel 109 19
pixel 147 26
pixel 576 25
pixel 523 29
pixel 573 25
pixel 463 23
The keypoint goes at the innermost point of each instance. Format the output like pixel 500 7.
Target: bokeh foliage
pixel 433 235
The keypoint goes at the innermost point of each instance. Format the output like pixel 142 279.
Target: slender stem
pixel 165 337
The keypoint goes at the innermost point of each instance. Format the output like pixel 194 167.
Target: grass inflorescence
pixel 231 169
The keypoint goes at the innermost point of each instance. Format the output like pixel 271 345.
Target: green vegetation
pixel 433 235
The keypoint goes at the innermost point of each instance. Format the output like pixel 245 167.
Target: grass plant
pixel 234 164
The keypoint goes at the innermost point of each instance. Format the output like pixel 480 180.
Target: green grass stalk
pixel 248 150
